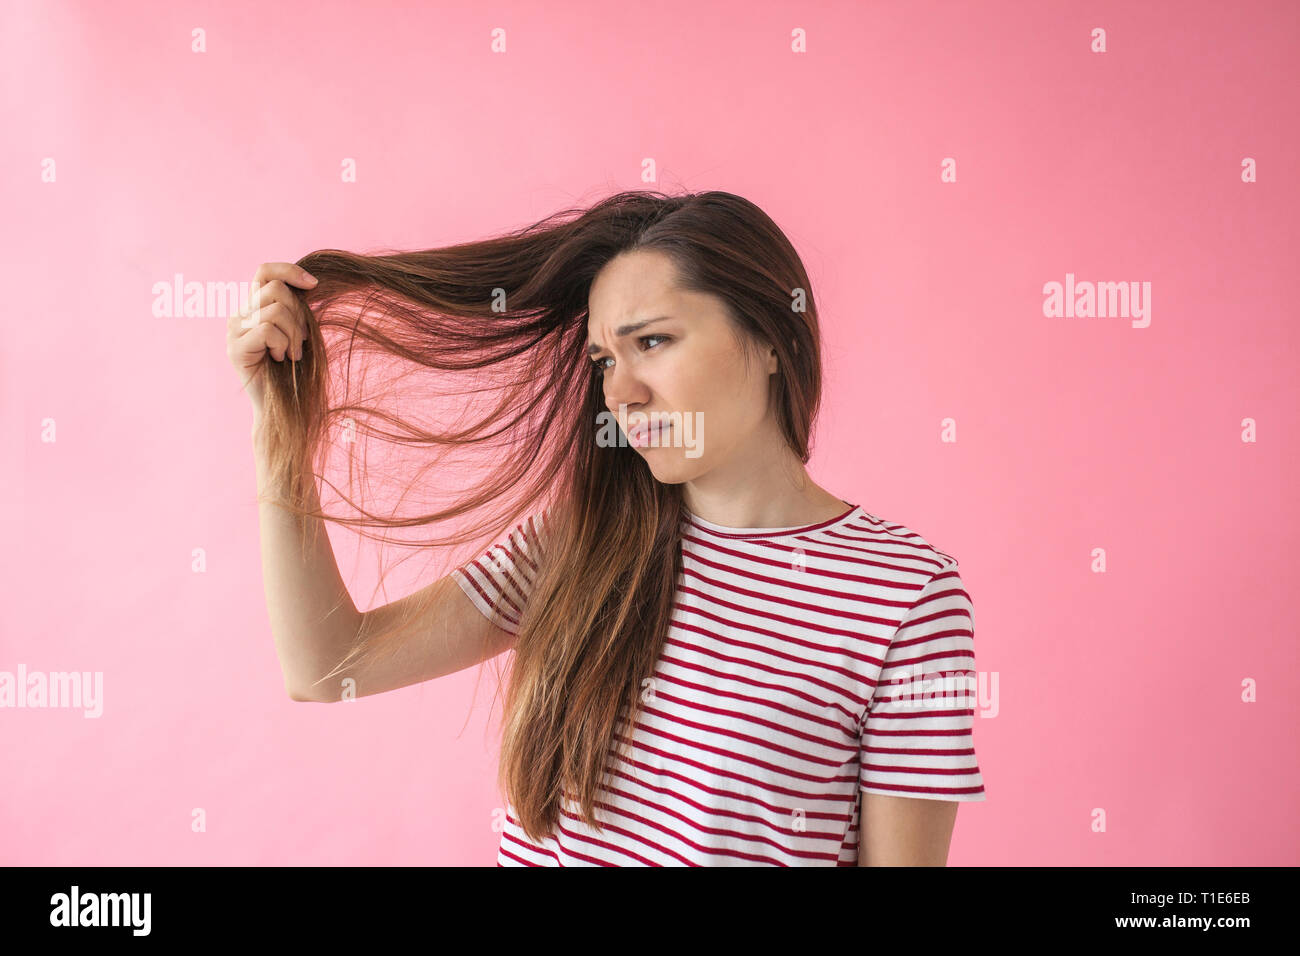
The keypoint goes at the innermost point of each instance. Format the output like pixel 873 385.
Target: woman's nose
pixel 622 388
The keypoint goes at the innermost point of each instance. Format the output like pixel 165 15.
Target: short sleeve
pixel 916 736
pixel 500 580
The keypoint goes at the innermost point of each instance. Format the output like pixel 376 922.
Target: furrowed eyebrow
pixel 625 330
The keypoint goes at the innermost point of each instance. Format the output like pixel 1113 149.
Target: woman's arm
pixel 904 831
pixel 314 621
pixel 313 618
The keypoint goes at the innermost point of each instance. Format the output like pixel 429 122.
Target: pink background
pixel 1119 691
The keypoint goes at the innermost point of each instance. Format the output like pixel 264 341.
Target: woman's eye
pixel 598 364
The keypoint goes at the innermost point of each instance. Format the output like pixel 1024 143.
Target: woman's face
pixel 684 367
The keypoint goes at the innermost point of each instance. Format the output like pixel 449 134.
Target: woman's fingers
pixel 276 291
pixel 275 316
pixel 274 321
pixel 290 315
pixel 285 272
pixel 273 339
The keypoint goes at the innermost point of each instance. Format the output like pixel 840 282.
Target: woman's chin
pixel 673 471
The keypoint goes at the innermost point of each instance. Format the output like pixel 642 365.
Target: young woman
pixel 715 661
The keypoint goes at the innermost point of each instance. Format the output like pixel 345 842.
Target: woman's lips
pixel 641 434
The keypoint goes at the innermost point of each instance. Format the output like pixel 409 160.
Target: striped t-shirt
pixel 802 665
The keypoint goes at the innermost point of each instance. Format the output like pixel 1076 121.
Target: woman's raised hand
pixel 273 321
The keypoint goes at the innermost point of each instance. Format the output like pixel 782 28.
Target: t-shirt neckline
pixel 726 532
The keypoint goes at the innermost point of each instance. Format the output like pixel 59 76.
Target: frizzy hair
pixel 512 310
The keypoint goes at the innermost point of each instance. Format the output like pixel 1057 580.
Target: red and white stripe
pixel 782 692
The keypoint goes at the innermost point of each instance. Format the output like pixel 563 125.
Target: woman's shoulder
pixel 905 537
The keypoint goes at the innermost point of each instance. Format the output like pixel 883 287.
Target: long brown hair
pixel 510 313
